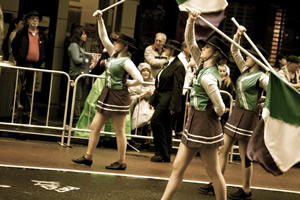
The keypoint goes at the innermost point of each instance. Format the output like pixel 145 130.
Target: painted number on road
pixel 53 185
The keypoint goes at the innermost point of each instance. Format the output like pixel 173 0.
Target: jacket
pixel 20 46
pixel 168 90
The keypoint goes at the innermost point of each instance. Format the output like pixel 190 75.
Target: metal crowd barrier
pixel 10 122
pixel 72 129
pixel 66 128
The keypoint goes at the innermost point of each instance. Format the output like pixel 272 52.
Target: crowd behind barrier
pixel 44 125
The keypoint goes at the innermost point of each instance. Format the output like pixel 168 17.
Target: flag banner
pixel 203 6
pixel 214 14
pixel 275 142
pixel 90 61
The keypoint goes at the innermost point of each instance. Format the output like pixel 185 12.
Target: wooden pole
pixel 109 7
pixel 254 46
pixel 232 42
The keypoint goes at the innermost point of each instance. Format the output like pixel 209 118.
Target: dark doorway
pixel 49 10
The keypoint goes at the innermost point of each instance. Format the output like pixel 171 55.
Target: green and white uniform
pixel 249 87
pixel 204 128
pixel 115 96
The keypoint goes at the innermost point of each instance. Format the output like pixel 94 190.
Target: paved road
pixel 39 170
pixel 26 183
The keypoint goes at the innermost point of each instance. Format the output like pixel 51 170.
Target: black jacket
pixel 168 92
pixel 20 46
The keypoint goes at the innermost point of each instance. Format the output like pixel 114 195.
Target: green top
pixel 115 73
pixel 248 93
pixel 199 97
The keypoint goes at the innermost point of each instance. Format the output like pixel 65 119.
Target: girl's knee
pixel 95 129
pixel 177 170
pixel 224 151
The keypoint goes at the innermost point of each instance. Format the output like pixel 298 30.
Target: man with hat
pixel 28 49
pixel 167 101
pixel 290 72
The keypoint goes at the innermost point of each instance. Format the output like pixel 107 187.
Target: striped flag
pixel 212 10
pixel 90 61
pixel 275 143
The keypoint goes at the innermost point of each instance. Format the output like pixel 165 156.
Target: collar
pixel 34 34
pixel 155 49
pixel 171 60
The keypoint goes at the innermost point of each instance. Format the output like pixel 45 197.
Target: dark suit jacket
pixel 167 94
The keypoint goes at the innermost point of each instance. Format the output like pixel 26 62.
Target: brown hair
pixel 77 33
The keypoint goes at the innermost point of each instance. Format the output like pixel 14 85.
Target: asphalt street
pixel 41 170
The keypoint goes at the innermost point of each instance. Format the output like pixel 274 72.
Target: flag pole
pixel 109 7
pixel 232 42
pixel 254 46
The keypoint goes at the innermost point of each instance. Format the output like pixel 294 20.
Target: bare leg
pixel 246 172
pixel 212 166
pixel 224 152
pixel 119 127
pixel 182 160
pixel 97 123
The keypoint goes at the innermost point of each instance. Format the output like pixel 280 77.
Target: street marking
pixel 5 186
pixel 138 176
pixel 53 185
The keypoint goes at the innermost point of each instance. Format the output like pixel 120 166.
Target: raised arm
pixel 103 33
pixel 235 51
pixel 189 36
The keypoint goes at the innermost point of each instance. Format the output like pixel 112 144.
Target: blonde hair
pixel 227 79
pixel 164 36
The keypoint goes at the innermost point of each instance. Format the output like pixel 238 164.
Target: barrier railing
pixel 72 129
pixel 66 128
pixel 29 128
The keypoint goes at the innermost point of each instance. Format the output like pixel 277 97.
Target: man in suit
pixel 167 101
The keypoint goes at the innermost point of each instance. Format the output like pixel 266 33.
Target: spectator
pixel 167 101
pixel 138 94
pixel 280 62
pixel 16 25
pixel 290 72
pixel 190 66
pixel 67 42
pixel 28 49
pixel 227 86
pixel 114 100
pixel 154 54
pixel 75 52
pixel 66 67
